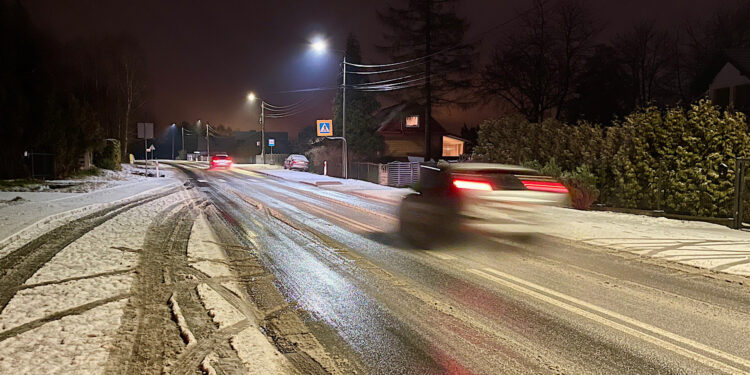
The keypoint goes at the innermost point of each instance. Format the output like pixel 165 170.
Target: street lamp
pixel 171 130
pixel 319 45
pixel 251 98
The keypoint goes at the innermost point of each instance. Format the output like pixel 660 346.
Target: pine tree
pixel 363 141
pixel 431 31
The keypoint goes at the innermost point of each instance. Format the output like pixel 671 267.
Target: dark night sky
pixel 204 56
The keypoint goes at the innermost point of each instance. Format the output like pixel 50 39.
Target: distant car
pixel 493 199
pixel 298 162
pixel 221 161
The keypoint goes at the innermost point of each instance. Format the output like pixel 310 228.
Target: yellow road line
pixel 623 328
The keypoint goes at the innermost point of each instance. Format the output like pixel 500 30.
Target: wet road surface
pixel 484 307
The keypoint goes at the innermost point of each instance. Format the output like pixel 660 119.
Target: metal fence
pixel 396 174
pixel 41 165
pixel 365 171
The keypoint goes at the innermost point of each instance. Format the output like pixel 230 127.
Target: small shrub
pixel 581 185
pixel 109 155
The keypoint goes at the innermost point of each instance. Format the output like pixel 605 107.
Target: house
pixel 731 85
pixel 402 129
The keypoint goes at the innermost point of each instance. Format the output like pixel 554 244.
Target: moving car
pixel 221 161
pixel 494 199
pixel 298 162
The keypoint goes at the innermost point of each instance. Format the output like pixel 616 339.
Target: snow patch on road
pixel 221 311
pixel 257 354
pixel 36 303
pixel 75 344
pixel 109 247
pixel 79 343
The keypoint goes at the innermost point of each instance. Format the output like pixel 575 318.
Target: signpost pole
pixel 145 154
pixel 263 131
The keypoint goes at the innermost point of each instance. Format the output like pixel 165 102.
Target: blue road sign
pixel 325 128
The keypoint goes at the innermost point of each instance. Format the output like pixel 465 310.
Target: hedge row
pixel 653 159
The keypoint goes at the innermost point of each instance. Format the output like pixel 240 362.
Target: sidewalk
pixel 695 243
pixel 364 189
pixel 698 244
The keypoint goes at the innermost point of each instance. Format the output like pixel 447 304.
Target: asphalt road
pixel 484 307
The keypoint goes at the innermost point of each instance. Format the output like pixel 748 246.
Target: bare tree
pixel 648 56
pixel 536 68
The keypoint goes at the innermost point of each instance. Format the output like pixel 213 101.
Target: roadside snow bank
pixel 694 243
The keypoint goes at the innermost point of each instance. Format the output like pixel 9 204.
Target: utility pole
pixel 428 91
pixel 182 128
pixel 263 131
pixel 345 161
pixel 208 144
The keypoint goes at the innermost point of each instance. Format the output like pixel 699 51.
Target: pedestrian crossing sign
pixel 325 128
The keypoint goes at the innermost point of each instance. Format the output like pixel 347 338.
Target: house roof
pixel 740 58
pixel 391 120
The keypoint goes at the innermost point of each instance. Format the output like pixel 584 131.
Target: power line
pixel 459 45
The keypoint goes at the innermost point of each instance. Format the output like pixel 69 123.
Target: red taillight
pixel 472 185
pixel 547 186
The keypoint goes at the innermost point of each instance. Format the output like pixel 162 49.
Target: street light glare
pixel 319 45
pixel 251 97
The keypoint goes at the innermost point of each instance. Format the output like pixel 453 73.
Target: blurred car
pixel 298 162
pixel 221 161
pixel 493 199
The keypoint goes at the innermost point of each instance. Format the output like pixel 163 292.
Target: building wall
pixel 401 146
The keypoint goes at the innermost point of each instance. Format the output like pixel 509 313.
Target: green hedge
pixel 652 159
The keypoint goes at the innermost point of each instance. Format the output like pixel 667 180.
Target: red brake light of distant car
pixel 547 186
pixel 472 185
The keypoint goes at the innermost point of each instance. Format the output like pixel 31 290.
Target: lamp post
pixel 171 130
pixel 320 46
pixel 251 98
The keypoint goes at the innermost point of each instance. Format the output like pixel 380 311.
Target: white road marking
pixel 610 323
pixel 439 255
pixel 199 180
pixel 221 180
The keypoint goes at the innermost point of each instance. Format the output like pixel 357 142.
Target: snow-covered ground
pixel 26 215
pixel 93 274
pixel 698 244
pixel 256 353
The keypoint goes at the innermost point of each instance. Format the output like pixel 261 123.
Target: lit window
pixel 412 121
pixel 452 147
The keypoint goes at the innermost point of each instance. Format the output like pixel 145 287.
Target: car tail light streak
pixel 472 185
pixel 546 186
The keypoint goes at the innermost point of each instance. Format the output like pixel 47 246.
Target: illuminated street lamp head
pixel 319 45
pixel 251 97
